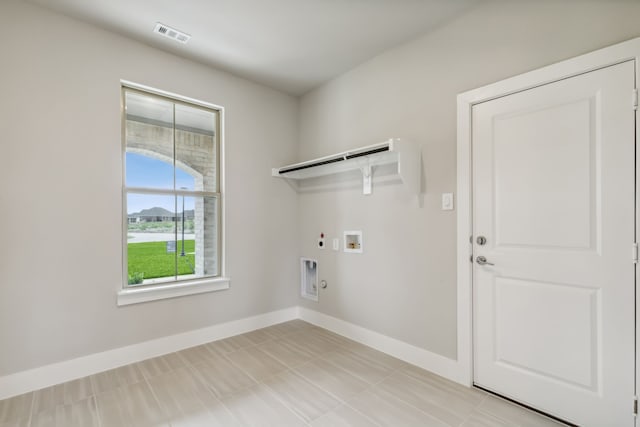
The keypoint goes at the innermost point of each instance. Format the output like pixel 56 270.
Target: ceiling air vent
pixel 171 33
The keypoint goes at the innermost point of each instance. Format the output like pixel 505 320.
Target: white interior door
pixel 553 194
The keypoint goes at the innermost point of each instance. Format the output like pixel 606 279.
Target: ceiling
pixel 290 45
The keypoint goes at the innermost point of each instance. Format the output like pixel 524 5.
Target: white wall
pixel 60 176
pixel 404 285
pixel 60 191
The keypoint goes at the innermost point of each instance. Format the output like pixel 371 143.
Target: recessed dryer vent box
pixel 353 241
pixel 309 278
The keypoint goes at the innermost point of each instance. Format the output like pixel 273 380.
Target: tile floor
pixel 291 374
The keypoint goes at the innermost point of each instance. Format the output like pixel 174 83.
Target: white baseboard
pixel 440 365
pixel 45 376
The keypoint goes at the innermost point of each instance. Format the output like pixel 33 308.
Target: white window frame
pixel 132 295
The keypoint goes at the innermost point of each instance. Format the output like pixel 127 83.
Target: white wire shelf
pixel 404 154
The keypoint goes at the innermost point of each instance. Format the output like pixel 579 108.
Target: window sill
pixel 172 290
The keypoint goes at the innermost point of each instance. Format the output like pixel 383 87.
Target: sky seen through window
pixel 143 171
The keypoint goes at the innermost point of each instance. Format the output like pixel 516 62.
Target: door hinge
pixel 635 99
pixel 635 406
pixel 634 253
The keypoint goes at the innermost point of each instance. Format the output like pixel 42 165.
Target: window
pixel 172 197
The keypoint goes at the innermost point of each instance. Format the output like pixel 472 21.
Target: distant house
pixel 158 214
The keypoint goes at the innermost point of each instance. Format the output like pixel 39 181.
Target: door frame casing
pixel 622 52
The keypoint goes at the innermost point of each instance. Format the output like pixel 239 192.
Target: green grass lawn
pixel 152 260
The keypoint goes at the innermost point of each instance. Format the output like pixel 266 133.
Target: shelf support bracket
pixel 366 179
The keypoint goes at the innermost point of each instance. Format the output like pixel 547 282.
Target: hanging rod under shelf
pixel 333 159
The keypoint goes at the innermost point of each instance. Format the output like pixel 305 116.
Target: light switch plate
pixel 447 201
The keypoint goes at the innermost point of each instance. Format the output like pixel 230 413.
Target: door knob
pixel 482 260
